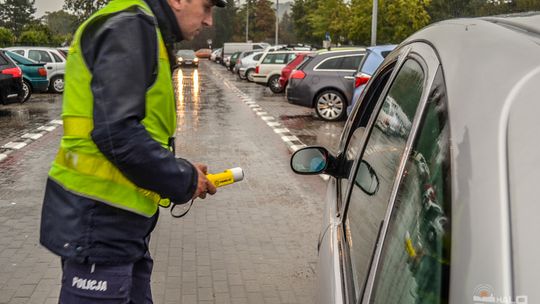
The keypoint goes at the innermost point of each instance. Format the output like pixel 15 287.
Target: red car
pixel 286 71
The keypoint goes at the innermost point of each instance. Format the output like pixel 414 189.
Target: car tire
pixel 274 85
pixel 27 88
pixel 249 75
pixel 330 105
pixel 57 84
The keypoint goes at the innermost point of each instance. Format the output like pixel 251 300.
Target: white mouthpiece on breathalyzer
pixel 238 174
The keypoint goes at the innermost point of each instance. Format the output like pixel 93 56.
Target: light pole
pixel 277 20
pixel 374 22
pixel 247 20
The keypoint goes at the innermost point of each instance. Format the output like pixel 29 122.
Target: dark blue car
pixel 374 57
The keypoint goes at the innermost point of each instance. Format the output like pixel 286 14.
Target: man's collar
pixel 166 21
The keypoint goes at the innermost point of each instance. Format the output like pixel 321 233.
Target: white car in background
pixel 269 66
pixel 54 60
pixel 246 66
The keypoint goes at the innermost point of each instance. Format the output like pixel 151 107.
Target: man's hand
pixel 203 184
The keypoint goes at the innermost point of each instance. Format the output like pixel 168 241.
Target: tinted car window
pixel 3 61
pixel 381 157
pixel 351 62
pixel 330 64
pixel 415 259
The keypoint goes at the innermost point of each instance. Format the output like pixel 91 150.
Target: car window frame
pixel 427 56
pixel 340 58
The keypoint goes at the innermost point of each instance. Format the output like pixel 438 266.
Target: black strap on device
pixel 183 213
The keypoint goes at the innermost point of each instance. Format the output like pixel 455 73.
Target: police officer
pixel 115 164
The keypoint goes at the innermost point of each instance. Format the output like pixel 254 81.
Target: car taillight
pixel 298 74
pixel 42 72
pixel 257 70
pixel 15 72
pixel 361 79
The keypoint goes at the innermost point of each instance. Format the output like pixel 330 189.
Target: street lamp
pixel 247 20
pixel 374 22
pixel 277 21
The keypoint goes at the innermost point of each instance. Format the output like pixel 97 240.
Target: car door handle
pixel 348 77
pixel 49 68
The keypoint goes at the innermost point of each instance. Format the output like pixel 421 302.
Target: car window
pixel 57 58
pixel 18 58
pixel 280 59
pixel 330 64
pixel 375 177
pixel 20 52
pixel 3 61
pixel 351 62
pixel 269 58
pixel 257 57
pixel 291 57
pixel 415 259
pixel 39 56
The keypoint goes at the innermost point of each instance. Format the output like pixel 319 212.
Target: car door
pixel 59 62
pixel 346 72
pixel 377 155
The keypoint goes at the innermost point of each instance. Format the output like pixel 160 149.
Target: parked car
pixel 187 57
pixel 325 82
pixel 374 57
pixel 216 55
pixel 268 69
pixel 286 71
pixel 203 53
pixel 34 74
pixel 232 61
pixel 54 61
pixel 11 83
pixel 446 210
pixel 237 65
pixel 230 48
pixel 246 66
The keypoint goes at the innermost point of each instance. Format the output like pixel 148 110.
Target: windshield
pixel 185 53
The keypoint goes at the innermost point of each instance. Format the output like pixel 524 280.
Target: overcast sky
pixel 43 6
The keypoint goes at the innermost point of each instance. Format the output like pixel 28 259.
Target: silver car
pixel 246 67
pixel 432 196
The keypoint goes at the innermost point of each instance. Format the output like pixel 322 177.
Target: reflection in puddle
pixel 187 91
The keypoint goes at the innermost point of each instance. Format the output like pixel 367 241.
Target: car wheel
pixel 57 84
pixel 249 75
pixel 27 91
pixel 330 105
pixel 241 75
pixel 274 85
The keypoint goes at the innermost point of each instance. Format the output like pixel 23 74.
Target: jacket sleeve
pixel 121 53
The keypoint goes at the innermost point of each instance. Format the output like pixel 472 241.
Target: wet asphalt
pixel 252 242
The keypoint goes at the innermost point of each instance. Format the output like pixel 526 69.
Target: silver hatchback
pixel 432 196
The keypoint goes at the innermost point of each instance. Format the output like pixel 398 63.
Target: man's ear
pixel 175 4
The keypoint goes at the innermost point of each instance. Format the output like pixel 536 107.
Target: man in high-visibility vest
pixel 115 164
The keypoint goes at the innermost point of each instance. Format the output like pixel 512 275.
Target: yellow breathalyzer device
pixel 226 177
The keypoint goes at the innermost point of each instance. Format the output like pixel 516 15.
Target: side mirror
pixel 310 160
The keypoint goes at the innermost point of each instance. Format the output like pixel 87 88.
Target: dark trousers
pixel 111 284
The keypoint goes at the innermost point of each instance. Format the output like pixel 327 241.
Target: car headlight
pixel 180 59
pixel 196 59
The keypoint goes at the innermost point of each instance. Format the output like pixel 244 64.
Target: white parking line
pixel 273 124
pixel 33 136
pixel 14 145
pixel 283 130
pixel 267 118
pixel 290 138
pixel 57 122
pixel 47 128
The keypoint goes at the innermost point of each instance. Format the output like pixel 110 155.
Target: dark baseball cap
pixel 220 3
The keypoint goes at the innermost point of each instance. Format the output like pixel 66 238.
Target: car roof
pixel 491 68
